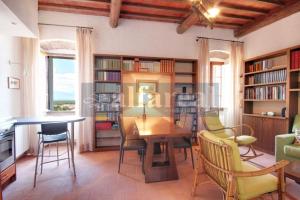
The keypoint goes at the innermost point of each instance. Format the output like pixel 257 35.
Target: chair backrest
pixel 122 129
pixel 54 128
pixel 220 157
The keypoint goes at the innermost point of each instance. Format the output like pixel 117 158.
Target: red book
pixel 297 59
pixel 103 126
pixel 296 64
pixel 293 60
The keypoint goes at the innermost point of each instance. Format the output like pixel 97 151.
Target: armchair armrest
pixel 278 166
pixel 280 142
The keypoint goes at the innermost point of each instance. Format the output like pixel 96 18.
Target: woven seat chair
pixel 220 160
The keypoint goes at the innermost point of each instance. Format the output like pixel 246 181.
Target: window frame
pixel 49 61
pixel 212 64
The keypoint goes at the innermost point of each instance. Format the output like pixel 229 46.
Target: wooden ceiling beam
pixel 276 2
pixel 271 17
pixel 192 19
pixel 224 5
pixel 115 8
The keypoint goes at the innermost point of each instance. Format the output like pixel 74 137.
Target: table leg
pixel 72 147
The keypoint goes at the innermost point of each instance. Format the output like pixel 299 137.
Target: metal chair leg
pixel 36 163
pixel 68 152
pixel 42 161
pixel 57 157
pixel 120 159
pixel 123 152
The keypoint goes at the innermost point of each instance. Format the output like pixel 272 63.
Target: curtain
pixel 33 87
pixel 84 103
pixel 236 62
pixel 204 75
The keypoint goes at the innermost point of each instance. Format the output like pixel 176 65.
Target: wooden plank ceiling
pixel 244 16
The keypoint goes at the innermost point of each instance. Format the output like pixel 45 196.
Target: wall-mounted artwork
pixel 13 83
pixel 145 86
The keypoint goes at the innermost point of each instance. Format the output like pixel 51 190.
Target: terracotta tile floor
pixel 97 179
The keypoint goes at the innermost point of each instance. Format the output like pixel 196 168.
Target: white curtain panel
pixel 204 74
pixel 84 103
pixel 236 62
pixel 32 88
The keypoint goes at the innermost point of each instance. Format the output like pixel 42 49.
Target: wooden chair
pixel 213 124
pixel 220 160
pixel 130 145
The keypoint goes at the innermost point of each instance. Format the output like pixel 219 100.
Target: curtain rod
pixel 218 39
pixel 44 24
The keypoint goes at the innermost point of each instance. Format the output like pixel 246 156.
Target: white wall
pixel 132 37
pixel 26 11
pixel 279 35
pixel 10 99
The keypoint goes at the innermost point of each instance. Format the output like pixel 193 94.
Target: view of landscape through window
pixel 63 84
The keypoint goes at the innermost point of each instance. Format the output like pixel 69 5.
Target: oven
pixel 7 145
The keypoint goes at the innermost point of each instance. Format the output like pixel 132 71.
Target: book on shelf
pixel 108 64
pixel 167 66
pixel 279 61
pixel 149 66
pixel 186 103
pixel 295 59
pixel 108 88
pixel 108 76
pixel 107 98
pixel 179 110
pixel 267 77
pixel 186 97
pixel 266 93
pixel 106 116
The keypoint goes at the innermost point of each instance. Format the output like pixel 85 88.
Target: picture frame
pixel 147 86
pixel 13 83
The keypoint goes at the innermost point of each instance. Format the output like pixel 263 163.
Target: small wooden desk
pixel 157 130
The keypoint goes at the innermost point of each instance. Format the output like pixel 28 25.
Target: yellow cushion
pixel 251 187
pixel 244 139
pixel 214 123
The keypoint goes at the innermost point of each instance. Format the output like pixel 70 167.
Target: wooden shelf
pixel 295 70
pixel 185 73
pixel 108 70
pixel 98 81
pixel 265 116
pixel 295 90
pixel 265 100
pixel 266 70
pixel 154 73
pixel 263 84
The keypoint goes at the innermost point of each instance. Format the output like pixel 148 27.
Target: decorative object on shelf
pixel 271 113
pixel 283 112
pixel 13 83
pixel 183 89
pixel 264 113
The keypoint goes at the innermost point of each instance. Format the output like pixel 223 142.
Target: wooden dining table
pixel 160 130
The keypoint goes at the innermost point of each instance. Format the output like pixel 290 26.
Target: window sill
pixel 60 113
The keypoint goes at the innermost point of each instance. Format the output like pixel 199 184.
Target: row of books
pixel 268 77
pixel 128 65
pixel 167 66
pixel 149 66
pixel 186 103
pixel 186 97
pixel 106 107
pixel 107 116
pixel 278 61
pixel 108 88
pixel 108 64
pixel 108 76
pixel 106 126
pixel 266 92
pixel 295 59
pixel 107 98
pixel 185 110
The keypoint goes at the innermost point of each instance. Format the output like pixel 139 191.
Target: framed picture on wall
pixel 13 83
pixel 145 86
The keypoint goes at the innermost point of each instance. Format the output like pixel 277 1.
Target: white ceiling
pixel 11 25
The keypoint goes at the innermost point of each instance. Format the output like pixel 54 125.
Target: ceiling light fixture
pixel 213 12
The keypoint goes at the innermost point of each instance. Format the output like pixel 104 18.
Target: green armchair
pixel 285 149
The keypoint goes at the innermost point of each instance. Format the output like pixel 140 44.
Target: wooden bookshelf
pixel 266 89
pixel 107 136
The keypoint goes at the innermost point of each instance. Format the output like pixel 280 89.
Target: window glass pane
pixel 63 84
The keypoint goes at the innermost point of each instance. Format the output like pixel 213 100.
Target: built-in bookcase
pixel 186 89
pixel 109 72
pixel 107 100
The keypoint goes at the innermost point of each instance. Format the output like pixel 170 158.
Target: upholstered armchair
pixel 220 159
pixel 285 149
